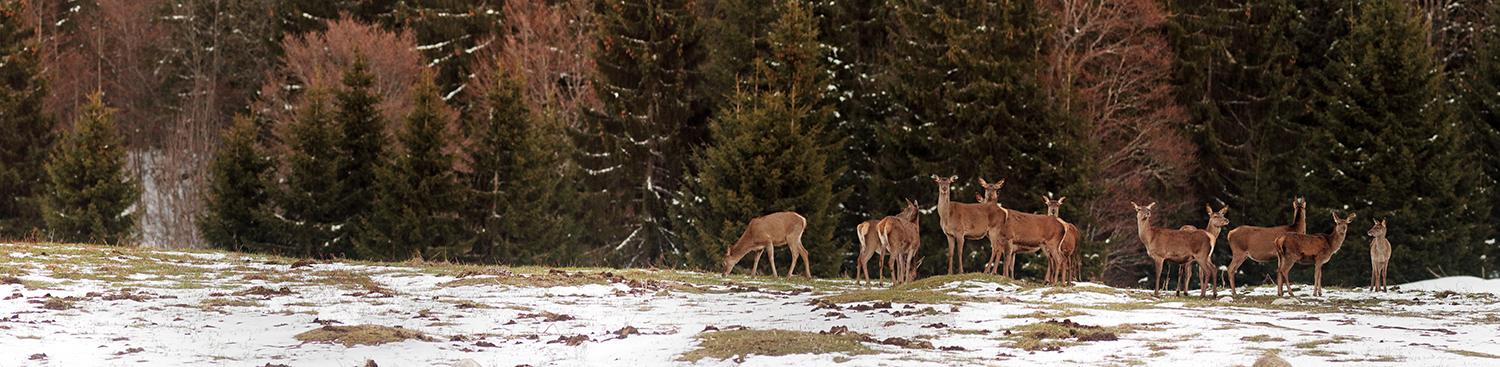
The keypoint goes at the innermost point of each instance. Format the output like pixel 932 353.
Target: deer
pixel 870 245
pixel 1315 249
pixel 1259 243
pixel 1066 250
pixel 961 222
pixel 1380 255
pixel 767 232
pixel 1025 233
pixel 901 236
pixel 1180 246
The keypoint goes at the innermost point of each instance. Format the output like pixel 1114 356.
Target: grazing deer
pixel 901 236
pixel 1316 249
pixel 961 222
pixel 767 232
pixel 1380 255
pixel 1067 267
pixel 870 245
pixel 1259 243
pixel 1180 246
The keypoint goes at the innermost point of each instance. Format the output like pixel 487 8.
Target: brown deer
pixel 1180 246
pixel 1380 255
pixel 1025 233
pixel 767 232
pixel 870 245
pixel 902 238
pixel 1259 243
pixel 961 222
pixel 1065 259
pixel 1316 249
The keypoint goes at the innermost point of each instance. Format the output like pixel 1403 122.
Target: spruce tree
pixel 307 196
pixel 751 169
pixel 1386 146
pixel 415 214
pixel 524 202
pixel 649 57
pixel 361 144
pixel 968 103
pixel 89 187
pixel 1481 118
pixel 25 130
pixel 238 212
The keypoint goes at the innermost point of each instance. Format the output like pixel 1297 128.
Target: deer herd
pixel 896 240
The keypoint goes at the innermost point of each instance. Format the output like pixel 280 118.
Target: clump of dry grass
pixel 361 335
pixel 741 343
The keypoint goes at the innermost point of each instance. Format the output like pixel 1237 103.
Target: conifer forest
pixel 648 133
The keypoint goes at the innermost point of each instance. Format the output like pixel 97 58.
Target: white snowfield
pixel 71 305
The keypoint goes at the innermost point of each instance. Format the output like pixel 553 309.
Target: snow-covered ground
pixel 68 305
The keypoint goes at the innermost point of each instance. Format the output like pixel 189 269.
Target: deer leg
pixel 755 270
pixel 1318 279
pixel 1158 276
pixel 1234 265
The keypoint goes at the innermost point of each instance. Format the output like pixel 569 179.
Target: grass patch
pixel 731 343
pixel 1262 338
pixel 1046 315
pixel 1120 306
pixel 361 335
pixel 222 302
pixel 1053 335
pixel 968 332
pixel 898 296
pixel 1470 353
pixel 350 280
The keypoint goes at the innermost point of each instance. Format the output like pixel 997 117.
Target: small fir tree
pixel 238 214
pixel 415 214
pixel 90 189
pixel 306 198
pixel 524 202
pixel 360 143
pixel 25 129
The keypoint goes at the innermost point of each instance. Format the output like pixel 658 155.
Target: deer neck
pixel 1336 239
pixel 1143 228
pixel 943 204
pixel 1213 229
pixel 1299 220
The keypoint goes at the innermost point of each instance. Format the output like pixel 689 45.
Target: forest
pixel 649 133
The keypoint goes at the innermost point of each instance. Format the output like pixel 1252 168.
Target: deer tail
pixel 884 232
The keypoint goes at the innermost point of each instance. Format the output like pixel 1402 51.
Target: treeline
pixel 626 133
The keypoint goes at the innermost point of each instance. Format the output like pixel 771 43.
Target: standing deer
pixel 1259 243
pixel 1380 255
pixel 1067 267
pixel 1180 246
pixel 1025 233
pixel 901 236
pixel 869 244
pixel 1316 249
pixel 961 222
pixel 767 232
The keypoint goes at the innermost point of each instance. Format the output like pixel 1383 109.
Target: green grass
pixel 1471 353
pixel 1262 338
pixel 743 343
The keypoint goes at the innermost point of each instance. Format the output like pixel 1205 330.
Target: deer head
pixel 944 184
pixel 1052 205
pixel 911 207
pixel 1143 213
pixel 1379 229
pixel 1216 219
pixel 991 190
pixel 1341 226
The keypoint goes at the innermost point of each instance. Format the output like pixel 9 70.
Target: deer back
pixel 868 237
pixel 1034 228
pixel 770 230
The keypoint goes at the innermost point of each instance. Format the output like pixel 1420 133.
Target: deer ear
pixel 981 182
pixel 934 176
pixel 1001 183
pixel 1225 210
pixel 955 178
pixel 1137 206
pixel 1059 200
pixel 1151 205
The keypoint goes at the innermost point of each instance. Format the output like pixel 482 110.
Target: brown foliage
pixel 550 45
pixel 1110 64
pixel 318 60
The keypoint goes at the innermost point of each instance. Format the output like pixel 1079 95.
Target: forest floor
pixel 77 305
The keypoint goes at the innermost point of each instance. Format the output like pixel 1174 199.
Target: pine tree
pixel 89 188
pixel 415 214
pixel 770 153
pixel 307 198
pixel 524 202
pixel 360 143
pixel 1386 146
pixel 649 57
pixel 968 102
pixel 25 129
pixel 239 213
